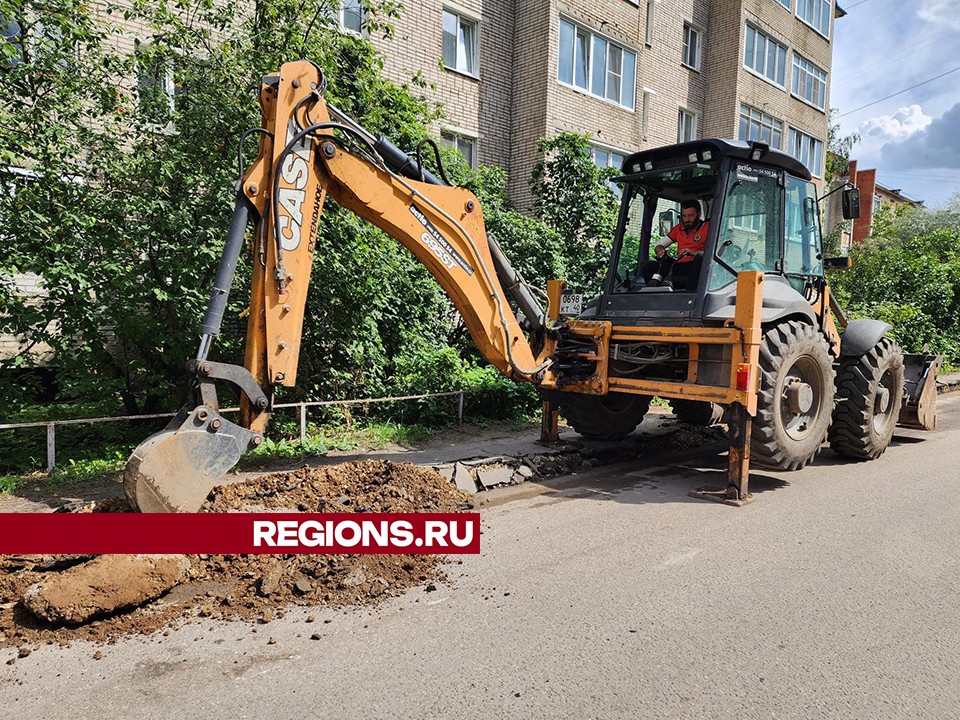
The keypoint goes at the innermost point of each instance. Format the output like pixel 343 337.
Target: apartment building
pixel 873 197
pixel 633 74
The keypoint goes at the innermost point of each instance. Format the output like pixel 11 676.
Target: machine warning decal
pixel 440 246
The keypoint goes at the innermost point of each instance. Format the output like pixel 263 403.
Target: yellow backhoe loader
pixel 752 336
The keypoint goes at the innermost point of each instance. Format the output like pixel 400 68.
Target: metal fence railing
pixel 51 425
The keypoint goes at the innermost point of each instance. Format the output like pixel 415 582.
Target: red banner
pixel 239 533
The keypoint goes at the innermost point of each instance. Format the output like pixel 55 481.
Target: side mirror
pixel 668 218
pixel 850 203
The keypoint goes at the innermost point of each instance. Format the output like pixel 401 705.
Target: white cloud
pixel 902 124
pixel 940 12
pixel 936 146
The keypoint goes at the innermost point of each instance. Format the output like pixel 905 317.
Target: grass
pixel 320 441
pixel 323 439
pixel 74 471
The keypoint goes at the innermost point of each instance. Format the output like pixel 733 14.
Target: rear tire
pixel 869 394
pixel 697 413
pixel 796 397
pixel 604 417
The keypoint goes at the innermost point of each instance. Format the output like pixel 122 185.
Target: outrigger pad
pixel 175 469
pixel 726 496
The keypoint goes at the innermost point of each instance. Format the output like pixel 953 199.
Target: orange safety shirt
pixel 693 242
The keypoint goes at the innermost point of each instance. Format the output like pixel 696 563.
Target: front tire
pixel 796 397
pixel 604 417
pixel 869 394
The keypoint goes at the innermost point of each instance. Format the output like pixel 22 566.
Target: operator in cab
pixel 690 235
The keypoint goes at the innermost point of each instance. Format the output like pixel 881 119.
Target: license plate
pixel 571 304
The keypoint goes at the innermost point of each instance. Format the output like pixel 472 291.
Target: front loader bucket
pixel 919 409
pixel 175 469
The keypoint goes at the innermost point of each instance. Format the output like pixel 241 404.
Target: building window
pixel 647 108
pixel 157 89
pixel 785 3
pixel 756 125
pixel 466 145
pixel 691 47
pixel 648 31
pixel 351 15
pixel 765 56
pixel 806 149
pixel 604 157
pixel 12 40
pixel 816 14
pixel 686 126
pixel 809 82
pixel 459 43
pixel 597 65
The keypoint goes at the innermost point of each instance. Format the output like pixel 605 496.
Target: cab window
pixel 749 230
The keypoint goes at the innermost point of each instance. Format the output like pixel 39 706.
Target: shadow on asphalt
pixel 653 480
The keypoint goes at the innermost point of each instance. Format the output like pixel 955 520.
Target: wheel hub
pixel 882 401
pixel 799 397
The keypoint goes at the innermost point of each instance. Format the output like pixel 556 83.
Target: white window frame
pixel 817 10
pixel 762 120
pixel 692 119
pixel 689 29
pixel 814 74
pixel 167 82
pixel 766 56
pixel 802 145
pixel 627 86
pixel 610 153
pixel 784 3
pixel 468 20
pixel 342 13
pixel 454 137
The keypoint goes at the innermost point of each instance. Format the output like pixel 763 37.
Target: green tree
pixel 573 197
pixel 125 197
pixel 839 148
pixel 908 274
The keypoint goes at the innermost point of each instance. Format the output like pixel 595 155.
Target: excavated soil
pixel 254 587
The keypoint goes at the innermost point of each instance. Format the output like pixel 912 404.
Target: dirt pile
pixel 250 587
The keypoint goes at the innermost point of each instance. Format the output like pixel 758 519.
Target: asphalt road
pixel 611 595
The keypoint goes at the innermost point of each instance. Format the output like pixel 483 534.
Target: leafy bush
pixel 908 274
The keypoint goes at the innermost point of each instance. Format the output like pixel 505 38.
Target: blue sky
pixel 880 48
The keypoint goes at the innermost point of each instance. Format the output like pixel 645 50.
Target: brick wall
pixel 26 285
pixel 518 97
pixel 732 85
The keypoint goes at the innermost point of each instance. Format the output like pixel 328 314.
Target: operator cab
pixel 760 210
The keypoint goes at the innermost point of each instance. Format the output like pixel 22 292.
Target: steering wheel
pixel 730 252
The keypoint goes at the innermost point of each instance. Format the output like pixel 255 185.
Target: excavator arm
pixel 310 150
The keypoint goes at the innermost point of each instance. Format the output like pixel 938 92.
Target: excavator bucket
pixel 175 469
pixel 919 409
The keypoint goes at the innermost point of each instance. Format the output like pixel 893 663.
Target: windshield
pixel 653 210
pixel 802 246
pixel 749 235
